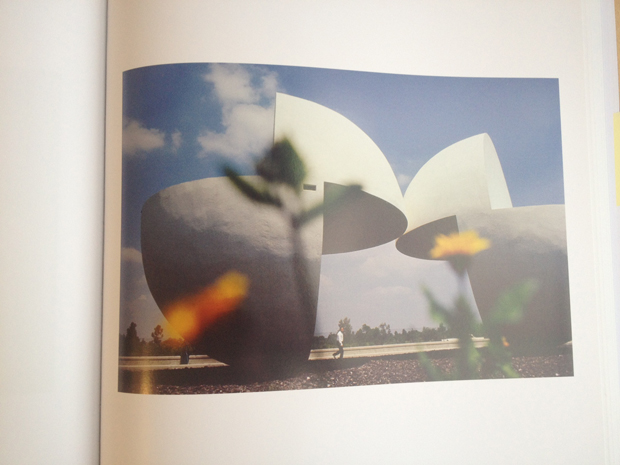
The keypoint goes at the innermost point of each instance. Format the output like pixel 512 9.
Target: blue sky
pixel 181 121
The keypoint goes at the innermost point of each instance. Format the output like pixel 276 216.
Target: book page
pixel 52 95
pixel 485 81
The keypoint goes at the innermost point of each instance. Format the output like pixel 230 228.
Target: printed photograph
pixel 299 228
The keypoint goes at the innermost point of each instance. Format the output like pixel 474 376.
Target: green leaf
pixel 308 215
pixel 438 312
pixel 282 165
pixel 511 304
pixel 331 201
pixel 335 197
pixel 431 370
pixel 250 191
pixel 473 359
pixel 509 371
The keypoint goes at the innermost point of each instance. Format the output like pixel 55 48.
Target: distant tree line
pixel 132 345
pixel 367 336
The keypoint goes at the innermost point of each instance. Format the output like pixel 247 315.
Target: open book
pixel 331 232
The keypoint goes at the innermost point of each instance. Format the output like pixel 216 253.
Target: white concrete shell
pixel 194 232
pixel 465 177
pixel 337 153
pixel 462 188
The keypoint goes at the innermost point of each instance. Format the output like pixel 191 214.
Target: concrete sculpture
pixel 338 153
pixel 462 188
pixel 194 232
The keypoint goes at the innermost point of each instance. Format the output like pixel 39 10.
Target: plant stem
pixel 301 277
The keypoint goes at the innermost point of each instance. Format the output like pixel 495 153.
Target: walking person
pixel 340 339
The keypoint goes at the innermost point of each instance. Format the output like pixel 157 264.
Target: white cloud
pixel 404 180
pixel 383 291
pixel 177 139
pixel 382 285
pixel 249 130
pixel 232 84
pixel 269 84
pixel 137 303
pixel 386 263
pixel 143 311
pixel 247 97
pixel 139 139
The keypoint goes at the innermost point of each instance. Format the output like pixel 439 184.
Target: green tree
pixel 429 334
pixel 319 342
pixel 132 343
pixel 385 334
pixel 348 330
pixel 157 335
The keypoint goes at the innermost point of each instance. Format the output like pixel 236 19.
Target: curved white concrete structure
pixel 337 153
pixel 465 177
pixel 194 232
pixel 462 188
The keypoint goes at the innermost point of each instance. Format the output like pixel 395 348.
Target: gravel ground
pixel 322 374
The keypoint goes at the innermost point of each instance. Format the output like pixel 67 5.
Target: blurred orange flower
pixel 466 243
pixel 191 315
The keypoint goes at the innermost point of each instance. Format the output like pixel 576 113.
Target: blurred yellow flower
pixel 459 244
pixel 191 315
